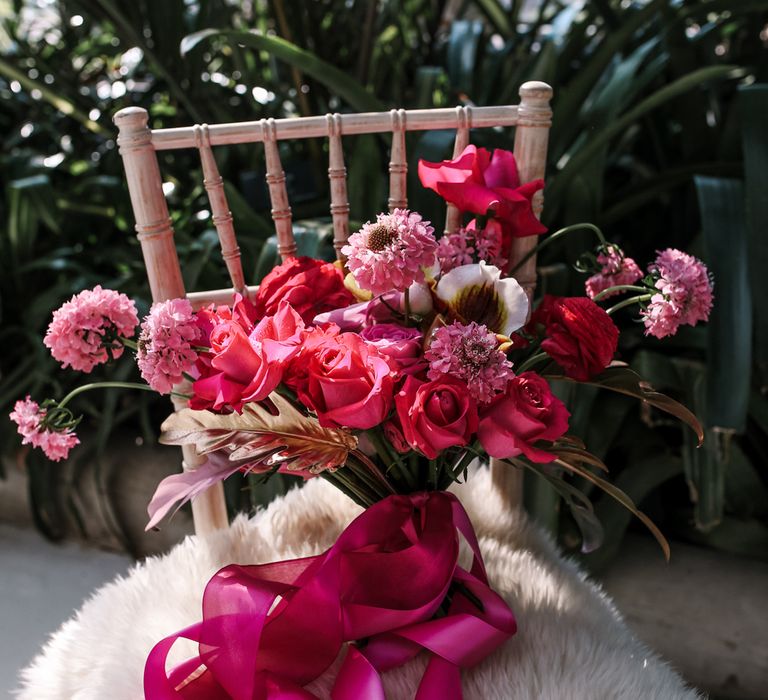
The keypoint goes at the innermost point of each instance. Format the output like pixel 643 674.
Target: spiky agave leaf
pixel 263 438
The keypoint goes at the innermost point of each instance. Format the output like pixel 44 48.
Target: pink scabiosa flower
pixel 166 341
pixel 30 419
pixel 470 353
pixel 84 332
pixel 616 269
pixel 391 253
pixel 684 295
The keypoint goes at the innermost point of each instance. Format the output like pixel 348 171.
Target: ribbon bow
pixel 390 587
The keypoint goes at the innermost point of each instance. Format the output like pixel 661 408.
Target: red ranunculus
pixel 347 382
pixel 436 415
pixel 477 182
pixel 579 335
pixel 311 286
pixel 526 413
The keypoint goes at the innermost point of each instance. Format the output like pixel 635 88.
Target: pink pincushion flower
pixel 84 331
pixel 28 416
pixel 470 353
pixel 684 294
pixel 391 253
pixel 166 344
pixel 616 269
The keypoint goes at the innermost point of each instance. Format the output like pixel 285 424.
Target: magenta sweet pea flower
pixel 480 183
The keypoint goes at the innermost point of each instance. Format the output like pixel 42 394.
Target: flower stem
pixel 132 344
pixel 407 306
pixel 628 302
pixel 531 361
pixel 553 237
pixel 109 385
pixel 391 457
pixel 619 288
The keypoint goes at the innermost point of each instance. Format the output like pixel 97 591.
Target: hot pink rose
pixel 478 182
pixel 348 383
pixel 247 368
pixel 436 415
pixel 400 345
pixel 525 414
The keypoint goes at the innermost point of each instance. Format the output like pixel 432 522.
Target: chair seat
pixel 571 640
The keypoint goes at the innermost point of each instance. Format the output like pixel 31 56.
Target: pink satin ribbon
pixel 380 588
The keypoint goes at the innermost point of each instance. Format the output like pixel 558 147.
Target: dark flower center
pixel 379 237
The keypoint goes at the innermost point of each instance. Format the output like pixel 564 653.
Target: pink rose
pixel 526 413
pixel 247 368
pixel 348 383
pixel 436 415
pixel 401 346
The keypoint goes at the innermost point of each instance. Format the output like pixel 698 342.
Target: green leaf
pixel 625 381
pixel 346 87
pixel 61 103
pixel 753 103
pixel 679 87
pixel 462 54
pixel 497 16
pixel 729 356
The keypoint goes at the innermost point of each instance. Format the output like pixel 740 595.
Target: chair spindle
pixel 278 193
pixel 463 125
pixel 398 166
pixel 337 175
pixel 222 216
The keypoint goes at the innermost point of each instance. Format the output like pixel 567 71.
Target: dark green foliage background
pixel 658 137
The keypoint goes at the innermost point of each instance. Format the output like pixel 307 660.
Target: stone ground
pixel 41 584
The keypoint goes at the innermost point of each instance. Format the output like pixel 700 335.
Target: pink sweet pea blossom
pixel 469 353
pixel 616 269
pixel 166 341
pixel 391 253
pixel 480 183
pixel 29 418
pixel 84 332
pixel 684 294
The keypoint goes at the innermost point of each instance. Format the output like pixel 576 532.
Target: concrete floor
pixel 41 585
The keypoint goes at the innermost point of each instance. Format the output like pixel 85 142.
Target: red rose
pixel 579 335
pixel 348 383
pixel 436 415
pixel 311 286
pixel 526 413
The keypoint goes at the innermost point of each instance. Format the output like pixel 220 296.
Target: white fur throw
pixel 571 641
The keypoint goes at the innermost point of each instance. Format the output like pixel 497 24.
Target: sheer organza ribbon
pixel 269 630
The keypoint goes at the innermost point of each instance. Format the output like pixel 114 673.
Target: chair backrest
pixel 139 145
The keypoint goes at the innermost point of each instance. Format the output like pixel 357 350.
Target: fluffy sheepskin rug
pixel 571 641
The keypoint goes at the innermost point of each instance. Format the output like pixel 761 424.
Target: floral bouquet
pixel 387 376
